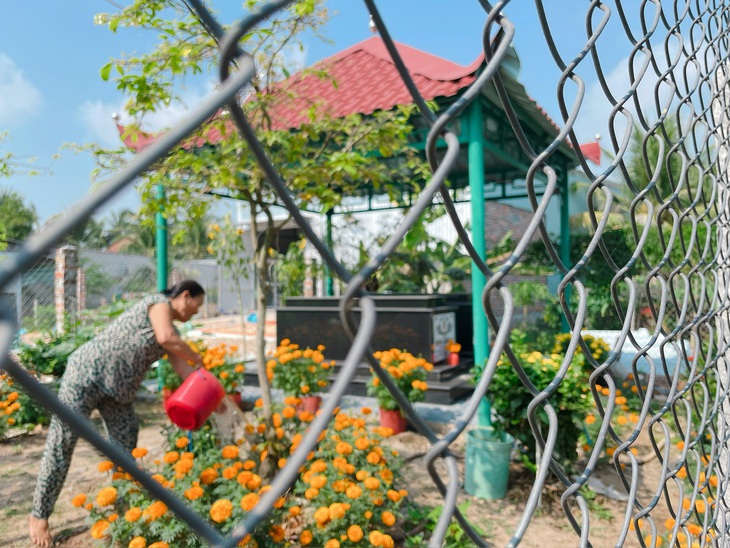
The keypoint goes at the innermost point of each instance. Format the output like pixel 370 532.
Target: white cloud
pixel 96 116
pixel 19 98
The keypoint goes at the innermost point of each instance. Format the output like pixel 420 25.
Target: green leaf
pixel 104 72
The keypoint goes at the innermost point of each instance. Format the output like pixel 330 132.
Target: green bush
pixel 510 399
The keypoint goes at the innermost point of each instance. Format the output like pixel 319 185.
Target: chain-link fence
pixel 676 204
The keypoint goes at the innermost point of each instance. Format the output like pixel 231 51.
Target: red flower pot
pixel 310 404
pixel 453 358
pixel 393 419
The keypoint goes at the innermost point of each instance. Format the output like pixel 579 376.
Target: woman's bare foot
pixel 39 533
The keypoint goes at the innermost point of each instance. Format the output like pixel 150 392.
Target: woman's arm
pixel 161 319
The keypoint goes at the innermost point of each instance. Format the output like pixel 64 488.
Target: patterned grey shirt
pixel 118 358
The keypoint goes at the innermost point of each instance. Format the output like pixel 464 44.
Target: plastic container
pixel 194 400
pixel 487 462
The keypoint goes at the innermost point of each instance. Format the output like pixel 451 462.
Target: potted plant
pixel 300 373
pixel 453 349
pixel 220 360
pixel 409 374
pixel 167 379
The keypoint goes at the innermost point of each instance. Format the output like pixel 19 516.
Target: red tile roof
pixel 366 81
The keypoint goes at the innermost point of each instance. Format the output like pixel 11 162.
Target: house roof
pixel 366 81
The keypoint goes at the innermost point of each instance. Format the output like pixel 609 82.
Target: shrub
pixel 346 491
pixel 298 372
pixel 408 372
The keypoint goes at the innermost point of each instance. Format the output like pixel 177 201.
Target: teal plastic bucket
pixel 487 462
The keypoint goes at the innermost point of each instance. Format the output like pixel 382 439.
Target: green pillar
pixel 329 287
pixel 564 236
pixel 476 185
pixel 161 243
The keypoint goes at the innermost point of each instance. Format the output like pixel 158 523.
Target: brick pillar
pixel 81 289
pixel 65 283
pixel 308 289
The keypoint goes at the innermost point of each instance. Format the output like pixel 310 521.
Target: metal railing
pixel 680 49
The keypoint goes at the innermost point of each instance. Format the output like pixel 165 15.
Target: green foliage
pixel 292 270
pixel 408 372
pixel 17 218
pixel 509 399
pixel 166 375
pixel 43 318
pixel 50 353
pixel 428 518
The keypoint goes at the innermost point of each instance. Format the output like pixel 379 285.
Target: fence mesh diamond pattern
pixel 674 195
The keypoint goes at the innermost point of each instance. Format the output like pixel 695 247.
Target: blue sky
pixel 51 92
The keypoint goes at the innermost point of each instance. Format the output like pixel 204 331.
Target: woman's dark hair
pixel 192 286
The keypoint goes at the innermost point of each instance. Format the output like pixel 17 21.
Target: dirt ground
pixel 20 457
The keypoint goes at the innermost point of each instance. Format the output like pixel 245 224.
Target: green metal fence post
pixel 564 236
pixel 329 286
pixel 161 243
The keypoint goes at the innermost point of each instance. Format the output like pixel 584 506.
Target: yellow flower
pixel 194 493
pixel 230 452
pixel 332 543
pixel 221 510
pixel 171 457
pixel 155 510
pixel 160 544
pixel 388 518
pixel 376 538
pixel 182 442
pixel 305 538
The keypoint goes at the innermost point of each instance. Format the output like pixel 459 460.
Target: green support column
pixel 476 185
pixel 564 236
pixel 161 243
pixel 329 287
pixel 478 281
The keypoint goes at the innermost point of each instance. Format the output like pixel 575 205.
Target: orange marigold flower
pixel 373 457
pixel 694 528
pixel 249 465
pixel 362 443
pixel 289 412
pixel 230 452
pixel 138 542
pixel 337 510
pixel 388 518
pixel 276 419
pixel 372 483
pixel 321 516
pixel 680 445
pixel 208 475
pixel 318 481
pixel 276 532
pixel 281 463
pixel 155 510
pixel 111 518
pixel 171 457
pixel 590 419
pixel 98 530
pixel 249 501
pixel 243 477
pixel 106 496
pixel 376 538
pixel 133 514
pixel 354 533
pixel 353 492
pixel 305 389
pixel 221 510
pixel 182 442
pixel 393 495
pixel 259 403
pixel 79 500
pixel 254 482
pixel 229 472
pixel 305 538
pixel 366 410
pixel 332 543
pixel 388 542
pixel 160 544
pixel 194 493
pixel 343 448
pixel 105 466
pixel 311 493
pixel 183 466
pixel 295 510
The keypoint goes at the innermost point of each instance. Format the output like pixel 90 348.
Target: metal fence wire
pixel 679 49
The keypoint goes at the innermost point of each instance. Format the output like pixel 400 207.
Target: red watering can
pixel 194 400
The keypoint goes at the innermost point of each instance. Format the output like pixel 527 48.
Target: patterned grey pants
pixel 83 396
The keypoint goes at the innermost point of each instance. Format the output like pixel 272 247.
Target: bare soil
pixel 20 458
